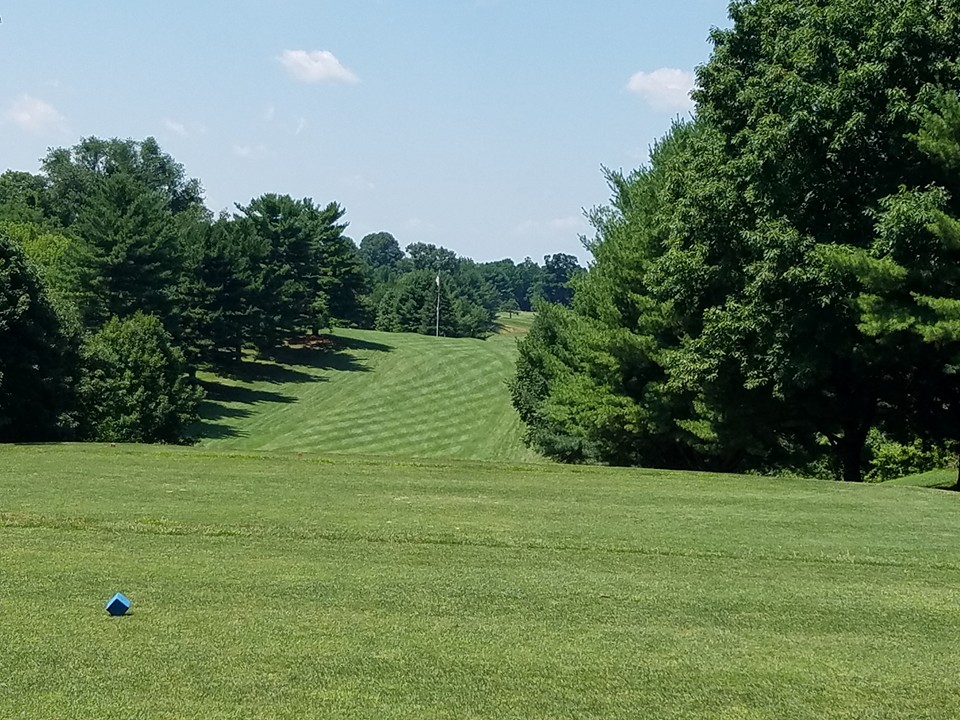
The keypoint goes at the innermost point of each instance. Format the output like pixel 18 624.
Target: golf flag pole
pixel 438 304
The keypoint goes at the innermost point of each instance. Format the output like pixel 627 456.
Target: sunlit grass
pixel 267 585
pixel 373 393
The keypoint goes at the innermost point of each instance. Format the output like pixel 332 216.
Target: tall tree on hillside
pixel 311 270
pixel 424 256
pixel 284 226
pixel 128 256
pixel 24 197
pixel 337 281
pixel 72 174
pixel 555 285
pixel 380 249
pixel 219 290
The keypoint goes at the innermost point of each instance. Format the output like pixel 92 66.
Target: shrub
pixel 134 385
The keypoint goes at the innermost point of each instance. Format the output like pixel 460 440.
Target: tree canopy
pixel 119 285
pixel 37 358
pixel 760 292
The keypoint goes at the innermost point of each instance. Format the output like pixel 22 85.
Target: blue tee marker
pixel 118 604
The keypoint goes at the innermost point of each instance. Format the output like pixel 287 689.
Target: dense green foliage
pixel 405 287
pixel 37 356
pixel 115 228
pixel 267 585
pixel 133 384
pixel 782 277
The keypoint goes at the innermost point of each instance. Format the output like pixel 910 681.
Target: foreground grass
pixel 276 586
pixel 373 393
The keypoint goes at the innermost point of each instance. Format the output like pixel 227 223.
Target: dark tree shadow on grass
pixel 222 393
pixel 215 408
pixel 206 430
pixel 250 371
pixel 320 359
pixel 329 352
pixel 349 343
pixel 287 365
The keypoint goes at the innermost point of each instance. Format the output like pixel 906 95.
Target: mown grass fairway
pixel 272 586
pixel 374 393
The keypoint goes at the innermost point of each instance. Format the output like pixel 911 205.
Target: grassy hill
pixel 374 393
pixel 267 585
pixel 946 478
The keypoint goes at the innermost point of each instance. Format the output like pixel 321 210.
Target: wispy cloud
pixel 316 66
pixel 249 151
pixel 301 124
pixel 568 225
pixel 184 130
pixel 35 116
pixel 359 181
pixel 176 128
pixel 665 89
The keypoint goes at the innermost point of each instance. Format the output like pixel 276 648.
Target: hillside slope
pixel 373 393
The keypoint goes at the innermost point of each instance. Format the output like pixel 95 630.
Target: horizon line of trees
pixel 118 284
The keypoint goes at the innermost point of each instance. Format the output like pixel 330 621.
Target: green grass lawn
pixel 267 585
pixel 933 479
pixel 516 323
pixel 373 393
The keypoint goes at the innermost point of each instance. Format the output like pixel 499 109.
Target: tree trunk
pixel 848 451
pixel 850 460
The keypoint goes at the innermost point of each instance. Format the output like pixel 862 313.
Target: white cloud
pixel 316 66
pixel 188 130
pixel 249 151
pixel 35 115
pixel 175 127
pixel 301 124
pixel 269 113
pixel 666 89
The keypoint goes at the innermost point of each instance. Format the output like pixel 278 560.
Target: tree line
pixel 778 289
pixel 405 287
pixel 118 283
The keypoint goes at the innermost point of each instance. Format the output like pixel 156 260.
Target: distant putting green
pixel 267 585
pixel 374 393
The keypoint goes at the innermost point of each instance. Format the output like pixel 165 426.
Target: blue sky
pixel 480 125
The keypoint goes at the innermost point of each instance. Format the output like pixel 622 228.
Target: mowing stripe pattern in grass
pixel 374 393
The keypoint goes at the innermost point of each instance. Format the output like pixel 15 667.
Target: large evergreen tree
pixel 128 259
